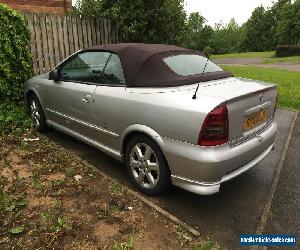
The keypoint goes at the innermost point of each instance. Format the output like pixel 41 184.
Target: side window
pixel 114 71
pixel 85 67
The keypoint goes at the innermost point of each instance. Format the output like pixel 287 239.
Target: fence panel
pixel 55 37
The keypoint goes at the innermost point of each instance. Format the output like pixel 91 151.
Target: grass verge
pixel 268 57
pixel 289 59
pixel 288 82
pixel 49 199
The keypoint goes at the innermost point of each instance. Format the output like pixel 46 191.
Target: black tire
pixel 37 114
pixel 161 178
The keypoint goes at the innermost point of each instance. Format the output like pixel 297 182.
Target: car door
pixel 109 101
pixel 70 100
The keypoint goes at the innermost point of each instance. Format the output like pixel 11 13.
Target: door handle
pixel 86 98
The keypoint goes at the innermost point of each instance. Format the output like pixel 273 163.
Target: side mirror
pixel 56 77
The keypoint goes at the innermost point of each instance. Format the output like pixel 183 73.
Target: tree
pixel 150 21
pixel 260 33
pixel 199 36
pixel 288 30
pixel 227 38
pixel 196 22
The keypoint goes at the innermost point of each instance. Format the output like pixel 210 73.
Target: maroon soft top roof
pixel 143 64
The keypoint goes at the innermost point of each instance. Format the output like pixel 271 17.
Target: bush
pixel 13 116
pixel 287 50
pixel 15 58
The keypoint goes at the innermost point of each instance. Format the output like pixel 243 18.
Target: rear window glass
pixel 188 65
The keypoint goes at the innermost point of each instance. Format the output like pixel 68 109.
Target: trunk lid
pixel 251 105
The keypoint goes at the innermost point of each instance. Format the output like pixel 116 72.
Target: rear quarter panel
pixel 170 114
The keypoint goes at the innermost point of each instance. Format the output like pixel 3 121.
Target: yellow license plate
pixel 255 119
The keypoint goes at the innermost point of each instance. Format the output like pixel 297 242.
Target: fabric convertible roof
pixel 143 65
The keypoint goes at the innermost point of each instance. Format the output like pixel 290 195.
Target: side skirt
pixel 107 150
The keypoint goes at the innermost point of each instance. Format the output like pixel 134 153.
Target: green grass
pixel 289 59
pixel 115 188
pixel 13 117
pixel 266 54
pixel 288 82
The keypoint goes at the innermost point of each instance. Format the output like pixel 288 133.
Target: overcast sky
pixel 223 10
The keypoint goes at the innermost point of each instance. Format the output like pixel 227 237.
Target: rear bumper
pixel 207 188
pixel 202 170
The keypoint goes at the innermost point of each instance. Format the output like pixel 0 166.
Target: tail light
pixel 215 129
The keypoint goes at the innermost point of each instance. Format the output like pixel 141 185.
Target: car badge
pixel 261 98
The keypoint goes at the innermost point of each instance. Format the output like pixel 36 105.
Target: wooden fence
pixel 55 37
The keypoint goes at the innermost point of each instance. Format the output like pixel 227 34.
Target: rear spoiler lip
pixel 270 87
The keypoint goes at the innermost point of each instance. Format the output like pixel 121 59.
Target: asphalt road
pixel 284 215
pixel 238 207
pixel 258 62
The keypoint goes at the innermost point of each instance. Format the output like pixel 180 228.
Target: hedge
pixel 287 50
pixel 15 57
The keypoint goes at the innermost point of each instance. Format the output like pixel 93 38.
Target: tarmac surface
pixel 241 203
pixel 258 62
pixel 284 215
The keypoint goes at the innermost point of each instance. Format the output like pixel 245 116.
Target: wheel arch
pixel 33 92
pixel 135 130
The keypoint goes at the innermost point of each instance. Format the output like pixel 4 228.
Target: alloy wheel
pixel 35 113
pixel 144 165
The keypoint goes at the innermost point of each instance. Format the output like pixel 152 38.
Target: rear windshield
pixel 188 65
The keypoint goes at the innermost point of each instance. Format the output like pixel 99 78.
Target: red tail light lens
pixel 215 128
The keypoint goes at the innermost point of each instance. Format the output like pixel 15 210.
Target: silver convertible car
pixel 169 113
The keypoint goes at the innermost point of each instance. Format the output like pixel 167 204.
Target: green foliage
pixel 288 30
pixel 207 245
pixel 196 22
pixel 10 207
pixel 265 54
pixel 13 116
pixel 16 230
pixel 227 38
pixel 69 172
pixel 60 225
pixel 287 50
pixel 219 40
pixel 53 222
pixel 165 21
pixel 259 31
pixel 198 35
pixel 57 182
pixel 37 182
pixel 7 202
pixel 15 58
pixel 279 24
pixel 155 21
pixel 115 188
pixel 46 218
pixel 288 82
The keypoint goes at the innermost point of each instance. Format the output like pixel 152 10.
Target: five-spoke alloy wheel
pixel 147 166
